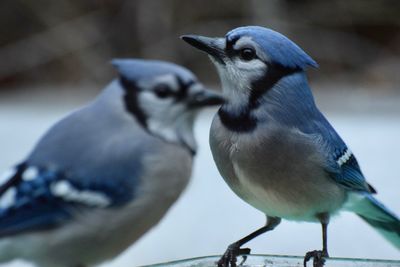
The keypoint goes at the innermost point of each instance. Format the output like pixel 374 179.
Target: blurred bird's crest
pixel 136 69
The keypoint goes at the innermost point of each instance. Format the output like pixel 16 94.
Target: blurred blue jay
pixel 108 172
pixel 273 146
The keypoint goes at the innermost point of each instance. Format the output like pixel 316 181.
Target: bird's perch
pixel 280 261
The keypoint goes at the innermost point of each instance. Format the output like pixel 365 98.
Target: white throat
pixel 180 131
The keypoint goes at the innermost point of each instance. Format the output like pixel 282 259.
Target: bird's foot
pixel 229 258
pixel 318 257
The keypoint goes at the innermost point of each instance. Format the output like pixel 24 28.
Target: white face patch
pixel 250 70
pixel 162 115
pixel 30 173
pixel 160 110
pixel 65 190
pixel 168 117
pixel 235 88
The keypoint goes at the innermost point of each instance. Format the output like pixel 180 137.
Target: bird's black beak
pixel 204 98
pixel 215 47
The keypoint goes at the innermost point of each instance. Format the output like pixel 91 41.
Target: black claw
pixel 229 258
pixel 244 258
pixel 318 257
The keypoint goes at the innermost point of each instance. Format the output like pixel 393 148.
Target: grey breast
pixel 278 170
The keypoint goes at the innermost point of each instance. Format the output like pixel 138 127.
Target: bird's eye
pixel 247 54
pixel 162 91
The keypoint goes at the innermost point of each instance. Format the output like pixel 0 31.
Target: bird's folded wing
pixel 341 164
pixel 344 169
pixel 37 199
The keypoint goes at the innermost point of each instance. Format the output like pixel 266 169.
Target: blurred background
pixel 54 56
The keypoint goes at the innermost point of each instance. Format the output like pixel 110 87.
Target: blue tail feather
pixel 379 217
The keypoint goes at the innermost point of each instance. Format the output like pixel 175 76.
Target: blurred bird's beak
pixel 215 47
pixel 205 98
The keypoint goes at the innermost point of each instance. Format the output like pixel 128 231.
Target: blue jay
pixel 105 174
pixel 273 146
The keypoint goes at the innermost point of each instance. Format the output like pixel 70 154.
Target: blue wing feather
pixel 348 172
pixel 33 217
pixel 34 206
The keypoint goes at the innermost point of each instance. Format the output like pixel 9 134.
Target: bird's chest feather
pixel 276 170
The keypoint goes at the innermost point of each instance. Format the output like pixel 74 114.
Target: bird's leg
pixel 320 255
pixel 234 249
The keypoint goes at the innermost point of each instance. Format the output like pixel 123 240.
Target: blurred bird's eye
pixel 247 54
pixel 162 91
